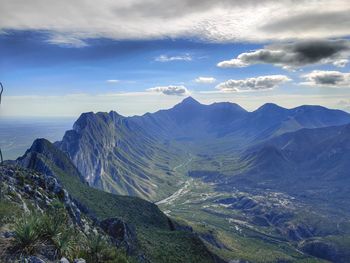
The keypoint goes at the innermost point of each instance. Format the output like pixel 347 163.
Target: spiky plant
pixel 27 234
pixel 66 244
pixel 101 250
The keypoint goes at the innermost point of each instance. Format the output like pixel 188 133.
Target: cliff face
pixel 116 155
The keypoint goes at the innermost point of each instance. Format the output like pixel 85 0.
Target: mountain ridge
pixel 131 155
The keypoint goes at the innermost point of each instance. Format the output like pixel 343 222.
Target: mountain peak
pixel 270 107
pixel 39 145
pixel 189 100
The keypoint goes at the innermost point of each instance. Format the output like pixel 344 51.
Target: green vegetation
pixel 53 230
pixel 98 249
pixel 27 234
pixel 8 211
pixel 156 238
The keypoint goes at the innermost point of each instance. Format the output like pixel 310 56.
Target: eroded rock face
pixel 121 233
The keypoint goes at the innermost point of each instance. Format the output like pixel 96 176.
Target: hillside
pixel 40 222
pixel 157 236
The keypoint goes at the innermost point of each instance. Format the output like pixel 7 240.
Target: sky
pixel 62 58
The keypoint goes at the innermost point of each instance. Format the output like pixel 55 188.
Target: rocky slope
pixel 40 222
pixel 139 227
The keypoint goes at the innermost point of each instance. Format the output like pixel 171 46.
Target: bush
pixel 66 244
pixel 8 211
pixel 27 234
pixel 35 229
pixel 99 250
pixel 53 223
pixel 53 229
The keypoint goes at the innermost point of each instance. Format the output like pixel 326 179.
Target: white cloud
pixel 170 90
pixel 166 58
pixel 324 78
pixel 293 55
pixel 205 80
pixel 113 81
pixel 341 63
pixel 71 22
pixel 251 84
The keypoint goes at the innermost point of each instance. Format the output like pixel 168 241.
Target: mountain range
pixel 135 155
pixel 269 185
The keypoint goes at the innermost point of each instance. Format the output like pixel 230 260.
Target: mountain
pixel 136 155
pixel 115 154
pixel 270 119
pixel 191 120
pixel 297 162
pixel 268 185
pixel 151 235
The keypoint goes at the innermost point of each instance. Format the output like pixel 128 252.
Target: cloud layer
pixel 71 22
pixel 205 80
pixel 166 58
pixel 113 81
pixel 170 90
pixel 332 79
pixel 249 84
pixel 297 54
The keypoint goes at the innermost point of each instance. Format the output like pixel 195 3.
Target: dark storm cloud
pixel 295 54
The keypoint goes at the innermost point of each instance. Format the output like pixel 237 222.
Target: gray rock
pixel 28 189
pixel 64 260
pixel 8 234
pixel 53 184
pixel 33 259
pixel 79 260
pixel 120 232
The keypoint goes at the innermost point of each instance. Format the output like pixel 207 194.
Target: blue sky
pixel 29 65
pixel 88 58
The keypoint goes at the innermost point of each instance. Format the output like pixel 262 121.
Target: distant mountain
pixel 135 155
pixel 270 120
pixel 313 163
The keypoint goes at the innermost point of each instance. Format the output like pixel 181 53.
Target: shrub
pixel 53 229
pixel 8 211
pixel 53 223
pixel 27 234
pixel 66 244
pixel 99 250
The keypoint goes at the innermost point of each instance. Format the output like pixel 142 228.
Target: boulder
pixel 33 259
pixel 121 234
